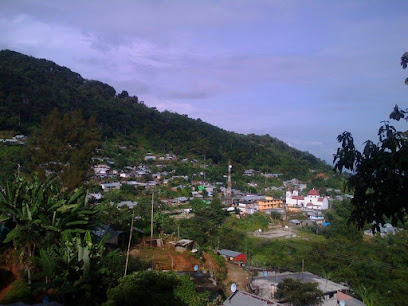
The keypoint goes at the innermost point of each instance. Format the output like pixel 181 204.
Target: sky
pixel 303 71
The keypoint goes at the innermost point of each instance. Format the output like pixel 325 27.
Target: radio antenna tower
pixel 229 192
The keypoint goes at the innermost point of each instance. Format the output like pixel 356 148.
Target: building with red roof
pixel 313 200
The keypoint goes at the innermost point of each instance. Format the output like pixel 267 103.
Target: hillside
pixel 31 88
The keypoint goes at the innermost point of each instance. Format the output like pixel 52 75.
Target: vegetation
pixel 296 292
pixel 155 288
pixel 64 146
pixel 50 223
pixel 379 173
pixel 32 87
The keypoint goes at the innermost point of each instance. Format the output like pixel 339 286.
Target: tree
pixel 379 174
pixel 155 288
pixel 404 63
pixel 64 146
pixel 295 292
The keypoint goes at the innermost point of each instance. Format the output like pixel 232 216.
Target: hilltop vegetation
pixel 31 88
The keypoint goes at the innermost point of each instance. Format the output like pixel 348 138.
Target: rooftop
pixel 229 253
pixel 239 298
pixel 327 286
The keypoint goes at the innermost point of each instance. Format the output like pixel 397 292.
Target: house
pixel 232 255
pixel 272 175
pixel 347 300
pixel 385 230
pixel 249 172
pixel 101 169
pixel 269 203
pixel 131 183
pixel 179 200
pixel 293 181
pixel 106 230
pixel 240 298
pixel 294 221
pixel 149 156
pixel 110 186
pixel 313 200
pixel 155 242
pixel 251 198
pixel 95 196
pixel 266 286
pixel 125 174
pixel 128 204
pixel 184 245
pixel 248 207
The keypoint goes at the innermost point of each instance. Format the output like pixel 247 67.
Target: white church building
pixel 313 200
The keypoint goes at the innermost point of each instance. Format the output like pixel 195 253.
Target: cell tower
pixel 228 199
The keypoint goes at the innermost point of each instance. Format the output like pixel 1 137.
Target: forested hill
pixel 30 88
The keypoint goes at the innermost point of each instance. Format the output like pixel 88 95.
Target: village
pixel 298 206
pixel 176 186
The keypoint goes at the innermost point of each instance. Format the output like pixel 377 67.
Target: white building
pixel 313 200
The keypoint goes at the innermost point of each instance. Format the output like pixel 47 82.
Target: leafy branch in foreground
pixel 379 176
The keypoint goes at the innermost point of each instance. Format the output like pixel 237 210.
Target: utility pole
pixel 151 221
pixel 229 185
pixel 130 240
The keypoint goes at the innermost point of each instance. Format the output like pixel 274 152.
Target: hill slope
pixel 31 88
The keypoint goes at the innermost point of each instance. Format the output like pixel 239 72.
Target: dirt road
pixel 237 275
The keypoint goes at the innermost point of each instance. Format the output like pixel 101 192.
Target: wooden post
pixel 130 240
pixel 151 220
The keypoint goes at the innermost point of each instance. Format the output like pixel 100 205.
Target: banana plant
pixel 39 215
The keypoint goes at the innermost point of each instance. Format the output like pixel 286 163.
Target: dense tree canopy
pixel 30 88
pixel 64 146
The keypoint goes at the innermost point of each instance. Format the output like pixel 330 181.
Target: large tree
pixel 295 292
pixel 64 146
pixel 379 174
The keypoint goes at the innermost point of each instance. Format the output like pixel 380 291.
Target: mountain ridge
pixel 30 88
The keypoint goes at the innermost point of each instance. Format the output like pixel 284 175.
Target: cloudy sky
pixel 302 71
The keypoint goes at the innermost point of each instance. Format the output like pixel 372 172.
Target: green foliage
pixel 112 266
pixel 10 157
pixel 20 292
pixel 33 87
pixel 249 223
pixel 111 214
pixel 379 173
pixel 296 292
pixel 276 215
pixel 340 253
pixel 379 179
pixel 39 215
pixel 64 146
pixel 155 288
pixel 205 224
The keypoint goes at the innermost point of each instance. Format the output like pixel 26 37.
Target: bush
pixel 155 288
pixel 20 292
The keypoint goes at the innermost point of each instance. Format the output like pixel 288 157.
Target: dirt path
pixel 237 275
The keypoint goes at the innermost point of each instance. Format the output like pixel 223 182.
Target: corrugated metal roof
pixel 229 253
pixel 239 298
